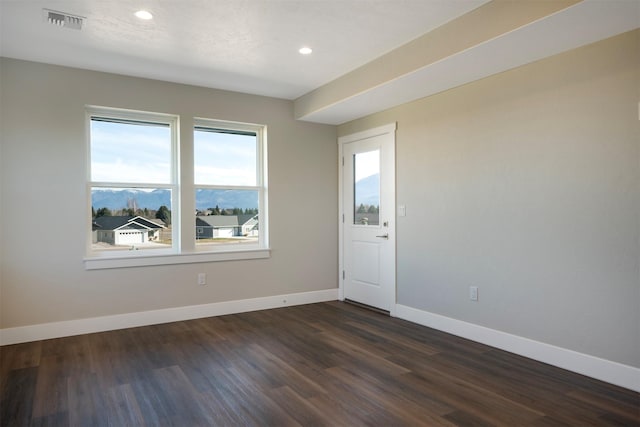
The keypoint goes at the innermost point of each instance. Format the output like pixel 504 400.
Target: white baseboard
pixel 594 367
pixel 130 320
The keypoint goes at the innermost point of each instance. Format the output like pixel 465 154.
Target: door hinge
pixel 343 218
pixel 342 161
pixel 343 275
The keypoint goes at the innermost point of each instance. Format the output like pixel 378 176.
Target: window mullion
pixel 116 184
pixel 187 193
pixel 228 187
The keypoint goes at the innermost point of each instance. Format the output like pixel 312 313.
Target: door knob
pixel 384 236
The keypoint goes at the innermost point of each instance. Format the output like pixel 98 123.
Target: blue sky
pixel 123 152
pixel 367 164
pixel 133 153
pixel 224 159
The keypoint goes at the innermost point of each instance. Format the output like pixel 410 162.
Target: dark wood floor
pixel 321 364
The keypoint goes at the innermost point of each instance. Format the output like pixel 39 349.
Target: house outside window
pixel 136 196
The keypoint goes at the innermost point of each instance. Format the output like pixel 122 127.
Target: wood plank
pixel 16 407
pixel 319 365
pixel 405 411
pixel 300 408
pixel 123 406
pixel 18 356
pixel 87 402
pixel 50 391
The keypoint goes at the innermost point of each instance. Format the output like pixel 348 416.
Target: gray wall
pixel 527 185
pixel 43 199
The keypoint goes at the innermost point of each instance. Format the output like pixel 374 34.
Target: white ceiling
pixel 251 46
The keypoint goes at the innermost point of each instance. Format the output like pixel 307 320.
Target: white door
pixel 367 238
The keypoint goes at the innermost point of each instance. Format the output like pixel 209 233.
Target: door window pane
pixel 366 188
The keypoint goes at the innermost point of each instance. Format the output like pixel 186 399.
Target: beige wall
pixel 43 199
pixel 527 185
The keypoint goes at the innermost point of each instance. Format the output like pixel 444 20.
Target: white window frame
pixel 184 249
pixel 260 187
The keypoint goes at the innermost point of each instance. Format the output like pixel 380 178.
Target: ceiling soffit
pixel 496 37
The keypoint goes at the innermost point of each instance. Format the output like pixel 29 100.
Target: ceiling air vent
pixel 62 19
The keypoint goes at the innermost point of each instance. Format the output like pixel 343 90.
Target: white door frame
pixel 369 133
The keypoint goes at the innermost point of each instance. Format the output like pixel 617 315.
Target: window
pixel 229 185
pixel 140 209
pixel 366 189
pixel 133 183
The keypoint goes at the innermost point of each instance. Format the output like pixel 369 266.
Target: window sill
pixel 106 262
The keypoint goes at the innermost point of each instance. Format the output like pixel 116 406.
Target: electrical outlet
pixel 473 293
pixel 202 279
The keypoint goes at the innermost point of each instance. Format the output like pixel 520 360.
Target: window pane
pixel 226 216
pixel 366 191
pixel 130 151
pixel 130 218
pixel 224 157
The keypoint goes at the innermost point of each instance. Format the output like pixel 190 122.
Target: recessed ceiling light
pixel 305 50
pixel 143 14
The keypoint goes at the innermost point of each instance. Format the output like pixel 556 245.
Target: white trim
pixel 173 122
pixel 152 257
pixel 369 133
pixel 340 221
pixel 131 320
pixel 605 370
pixel 261 170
